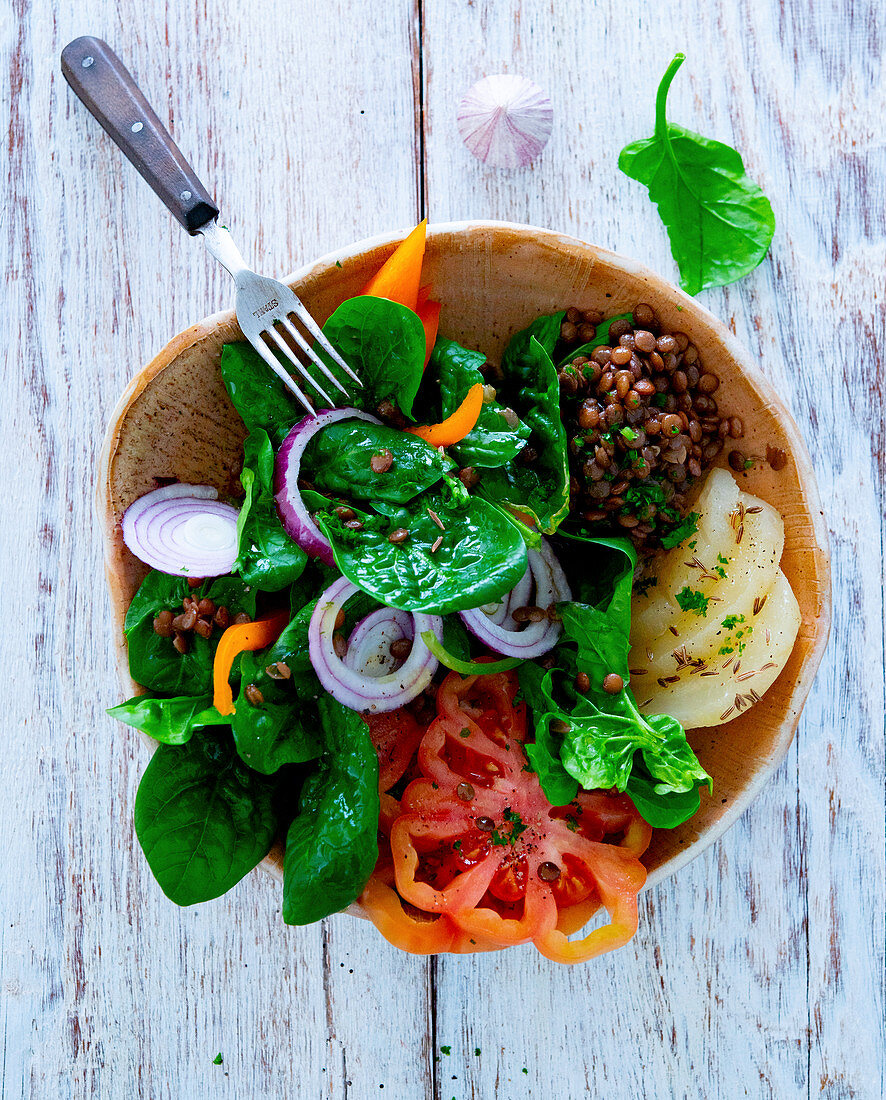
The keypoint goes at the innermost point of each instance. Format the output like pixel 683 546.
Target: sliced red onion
pixel 294 516
pixel 369 646
pixel 548 586
pixel 183 530
pixel 368 694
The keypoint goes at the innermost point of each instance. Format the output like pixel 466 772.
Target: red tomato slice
pixel 478 843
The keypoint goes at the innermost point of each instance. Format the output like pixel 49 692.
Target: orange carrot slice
pixel 454 428
pixel 399 276
pixel 429 315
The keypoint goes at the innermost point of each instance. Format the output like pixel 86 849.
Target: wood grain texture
pixel 758 971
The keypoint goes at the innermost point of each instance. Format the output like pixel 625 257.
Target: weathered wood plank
pixel 759 970
pixel 107 988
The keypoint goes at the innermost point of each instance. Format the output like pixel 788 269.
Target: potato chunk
pixel 714 632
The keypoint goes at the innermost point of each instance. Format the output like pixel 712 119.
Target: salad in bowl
pixel 471 656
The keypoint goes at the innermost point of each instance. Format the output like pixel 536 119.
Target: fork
pixel 106 87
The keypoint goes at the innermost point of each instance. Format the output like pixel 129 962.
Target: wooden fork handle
pixel 106 87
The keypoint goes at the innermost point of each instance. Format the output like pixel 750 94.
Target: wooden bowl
pixel 494 278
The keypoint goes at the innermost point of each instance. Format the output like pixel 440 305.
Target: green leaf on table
pixel 203 818
pixel 266 556
pixel 493 441
pixel 539 488
pixel 719 222
pixel 154 662
pixel 170 721
pixel 332 846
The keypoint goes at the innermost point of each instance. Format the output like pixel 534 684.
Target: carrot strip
pixel 399 276
pixel 237 639
pixel 457 426
pixel 424 292
pixel 429 315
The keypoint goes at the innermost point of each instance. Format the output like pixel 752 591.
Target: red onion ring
pixel 368 694
pixel 182 530
pixel 493 627
pixel 369 646
pixel 294 516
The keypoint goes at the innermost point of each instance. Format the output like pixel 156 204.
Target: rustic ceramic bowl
pixel 175 420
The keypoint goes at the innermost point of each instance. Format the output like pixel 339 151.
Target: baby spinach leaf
pixel 480 556
pixel 544 329
pixel 338 460
pixel 258 395
pixel 331 846
pixel 203 819
pixel 719 222
pixel 154 662
pixel 170 721
pixel 283 728
pixel 266 556
pixel 662 811
pixel 531 387
pixel 383 342
pixel 544 753
pixel 492 441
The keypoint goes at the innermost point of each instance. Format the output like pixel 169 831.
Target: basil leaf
pixel 541 488
pixel 170 721
pixel 481 555
pixel 338 460
pixel 258 395
pixel 719 222
pixel 332 846
pixel 383 342
pixel 203 819
pixel 266 556
pixel 492 441
pixel 154 662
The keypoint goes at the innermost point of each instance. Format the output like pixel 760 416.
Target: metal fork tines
pixel 263 304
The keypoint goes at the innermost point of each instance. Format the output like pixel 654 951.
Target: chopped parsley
pixel 682 531
pixel 217 1060
pixel 456 844
pixel 718 569
pixel 465 733
pixel 628 434
pixel 445 1050
pixel 659 400
pixel 691 599
pixel 732 621
pixel 572 823
pixel 511 836
pixel 476 1052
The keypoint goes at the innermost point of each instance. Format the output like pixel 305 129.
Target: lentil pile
pixel 642 422
pixel 196 617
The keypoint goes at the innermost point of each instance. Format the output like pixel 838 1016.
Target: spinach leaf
pixel 266 556
pixel 331 846
pixel 662 811
pixel 544 753
pixel 283 728
pixel 170 721
pixel 258 395
pixel 481 555
pixel 383 342
pixel 540 488
pixel 202 817
pixel 544 329
pixel 492 441
pixel 601 337
pixel 719 222
pixel 338 459
pixel 154 662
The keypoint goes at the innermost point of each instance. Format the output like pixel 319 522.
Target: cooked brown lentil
pixel 582 682
pixel 548 872
pixel 399 534
pixel 382 462
pixel 253 695
pixel 613 683
pixel 641 422
pixel 400 648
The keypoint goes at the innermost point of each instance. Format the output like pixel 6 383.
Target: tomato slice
pixel 477 843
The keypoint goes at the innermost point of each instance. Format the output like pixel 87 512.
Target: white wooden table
pixel 758 971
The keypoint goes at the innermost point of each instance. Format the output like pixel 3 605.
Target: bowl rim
pixel 315 269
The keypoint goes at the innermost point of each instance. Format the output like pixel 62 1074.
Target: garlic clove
pixel 505 120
